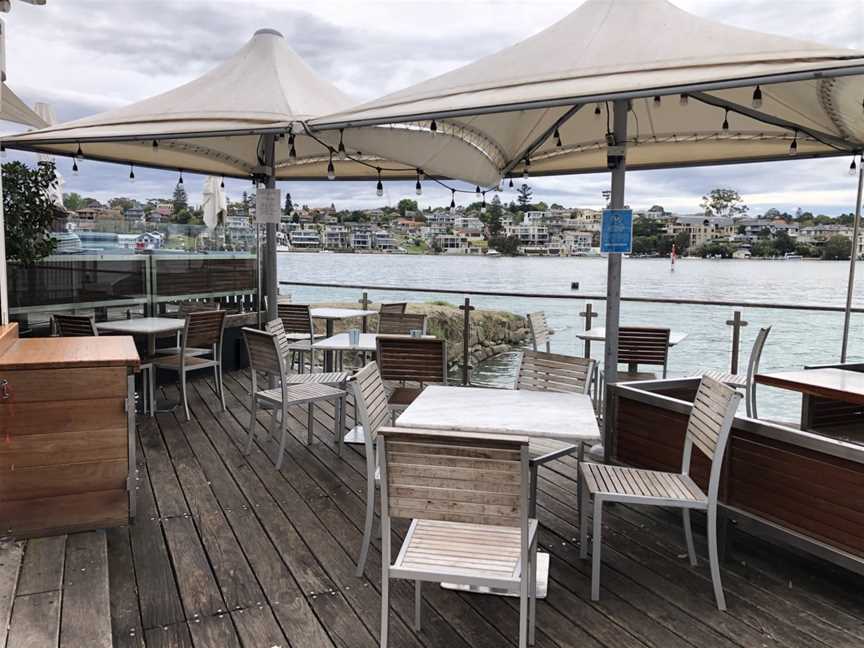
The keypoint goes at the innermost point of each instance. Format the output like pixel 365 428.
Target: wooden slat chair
pixel 183 309
pixel 747 382
pixel 393 307
pixel 203 330
pixel 466 495
pixel 411 363
pixel 642 346
pixel 75 325
pixel 539 371
pixel 540 332
pixel 266 358
pixel 297 321
pixel 370 398
pixel 708 430
pixel 401 324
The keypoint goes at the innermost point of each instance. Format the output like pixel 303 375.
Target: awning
pixel 13 109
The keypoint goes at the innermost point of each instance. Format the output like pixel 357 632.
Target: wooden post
pixel 588 314
pixel 466 308
pixel 364 303
pixel 737 323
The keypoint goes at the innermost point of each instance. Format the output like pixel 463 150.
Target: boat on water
pixel 494 254
pixel 791 256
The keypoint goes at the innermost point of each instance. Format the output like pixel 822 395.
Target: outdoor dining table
pixel 151 327
pixel 598 334
pixel 539 414
pixel 840 390
pixel 330 316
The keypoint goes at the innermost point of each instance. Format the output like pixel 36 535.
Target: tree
pixel 29 211
pixel 783 243
pixel 838 248
pixel 525 194
pixel 180 199
pixel 406 205
pixel 682 243
pixel 122 203
pixel 508 245
pixel 73 201
pixel 724 203
pixel 289 206
pixel 493 217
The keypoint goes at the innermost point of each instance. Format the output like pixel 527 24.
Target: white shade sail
pixel 13 109
pixel 214 125
pixel 650 52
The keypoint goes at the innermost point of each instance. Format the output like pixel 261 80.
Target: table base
pixel 542 582
pixel 356 436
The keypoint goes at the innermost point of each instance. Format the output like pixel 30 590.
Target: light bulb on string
pixel 483 206
pixel 557 137
pixel 525 170
pixel 452 200
pixel 341 150
pixel 852 167
pixel 793 147
pixel 222 184
pixel 597 111
pixel 757 97
pixel 3 151
pixel 726 120
pixel 79 154
pixel 131 173
pixel 657 101
pixel 510 184
pixel 477 192
pixel 433 126
pixel 331 172
pixel 180 181
pixel 74 166
pixel 379 188
pixel 292 153
pixel 421 176
pixel 155 146
pixel 683 100
pixel 418 188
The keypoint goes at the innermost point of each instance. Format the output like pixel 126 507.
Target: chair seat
pixel 192 362
pixel 300 394
pixel 300 345
pixel 303 337
pixel 733 380
pixel 329 378
pixel 402 397
pixel 548 449
pixel 460 550
pixel 632 376
pixel 178 350
pixel 648 486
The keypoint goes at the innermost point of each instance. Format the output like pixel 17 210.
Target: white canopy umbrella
pixel 245 119
pixel 640 85
pixel 214 201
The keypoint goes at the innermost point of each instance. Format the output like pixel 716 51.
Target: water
pixel 797 338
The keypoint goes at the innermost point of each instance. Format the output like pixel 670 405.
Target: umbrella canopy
pixel 13 109
pixel 214 125
pixel 213 201
pixel 546 99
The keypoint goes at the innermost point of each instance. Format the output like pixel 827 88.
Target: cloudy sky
pixel 86 56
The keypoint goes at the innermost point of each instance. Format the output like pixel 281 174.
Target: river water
pixel 797 337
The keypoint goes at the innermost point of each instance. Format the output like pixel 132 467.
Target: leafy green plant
pixel 29 211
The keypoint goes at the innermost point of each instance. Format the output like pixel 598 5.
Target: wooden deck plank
pixel 199 592
pixel 11 555
pixel 42 569
pixel 86 618
pixel 170 636
pixel 35 621
pixel 217 631
pixel 257 626
pixel 126 628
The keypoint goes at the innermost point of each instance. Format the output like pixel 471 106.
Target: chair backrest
pixel 393 307
pixel 371 399
pixel 186 307
pixel 540 333
pixel 753 369
pixel 645 346
pixel 400 324
pixel 708 427
pixel 75 325
pixel 204 329
pixel 296 318
pixel 276 328
pixel 454 476
pixel 407 359
pixel 264 356
pixel 540 371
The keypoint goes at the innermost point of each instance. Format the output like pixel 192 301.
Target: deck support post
pixel 850 288
pixel 466 339
pixel 271 289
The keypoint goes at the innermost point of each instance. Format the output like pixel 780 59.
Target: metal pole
pixel 466 339
pixel 850 288
pixel 613 274
pixel 4 288
pixel 589 315
pixel 270 271
pixel 737 324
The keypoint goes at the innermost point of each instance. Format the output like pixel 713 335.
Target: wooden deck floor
pixel 226 552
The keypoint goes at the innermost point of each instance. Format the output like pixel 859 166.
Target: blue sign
pixel 616 231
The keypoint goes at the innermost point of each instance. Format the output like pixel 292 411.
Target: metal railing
pixel 736 321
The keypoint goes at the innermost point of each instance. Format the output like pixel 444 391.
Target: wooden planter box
pixel 67 421
pixel 802 488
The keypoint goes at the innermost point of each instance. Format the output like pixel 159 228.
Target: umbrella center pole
pixel 850 288
pixel 271 288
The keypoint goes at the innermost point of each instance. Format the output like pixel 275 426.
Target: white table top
pixel 339 313
pixel 598 334
pixel 143 325
pixel 339 342
pixel 551 415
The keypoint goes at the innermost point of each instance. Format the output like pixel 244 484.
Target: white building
pixel 336 237
pixel 305 238
pixel 529 235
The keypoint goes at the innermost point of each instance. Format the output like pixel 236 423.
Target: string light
pixel 379 188
pixel 683 100
pixel 557 138
pixel 131 173
pixel 657 101
pixel 342 154
pixel 75 166
pixel 525 170
pixel 3 151
pixel 180 181
pixel 292 153
pixel 331 172
pixel 418 188
pixel 793 147
pixel 483 206
pixel 155 146
pixel 452 200
pixel 433 126
pixel 421 176
pixel 852 167
pixel 597 111
pixel 477 192
pixel 510 184
pixel 757 97
pixel 726 120
pixel 79 154
pixel 222 184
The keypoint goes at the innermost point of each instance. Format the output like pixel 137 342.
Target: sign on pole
pixel 268 206
pixel 616 231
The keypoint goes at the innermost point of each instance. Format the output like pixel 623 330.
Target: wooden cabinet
pixel 67 421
